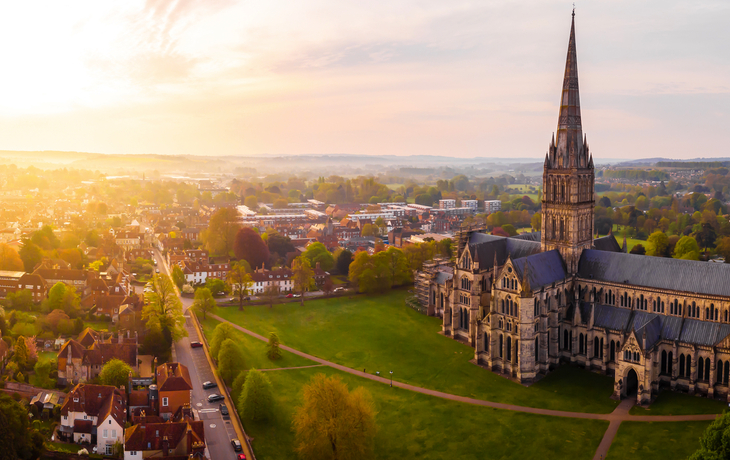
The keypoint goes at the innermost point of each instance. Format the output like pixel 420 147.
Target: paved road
pixel 218 432
pixel 620 414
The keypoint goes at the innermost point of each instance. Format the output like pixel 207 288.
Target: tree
pixel 216 286
pixel 17 439
pixel 251 202
pixel 9 259
pixel 163 308
pixel 510 229
pixel 256 399
pixel 706 235
pixel 204 301
pixel 687 248
pixel 328 286
pixel 318 253
pixel 657 243
pixel 115 373
pixel 155 343
pixel 230 360
pixel 343 260
pixel 536 221
pixel 272 347
pixel 723 248
pixel 370 230
pixel 43 374
pixel 280 245
pixel 270 294
pixel 638 249
pixel 31 255
pixel 302 275
pixel 20 355
pixel 221 232
pixel 714 441
pixel 62 297
pixel 221 332
pixel 249 246
pixel 240 281
pixel 20 300
pixel 178 277
pixel 334 423
pixel 237 386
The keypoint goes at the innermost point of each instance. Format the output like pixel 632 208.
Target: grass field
pixel 99 325
pixel 412 425
pixel 656 440
pixel 379 333
pixel 673 403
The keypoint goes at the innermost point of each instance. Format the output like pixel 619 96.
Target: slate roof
pixel 544 268
pixel 534 236
pixel 483 248
pixel 607 243
pixel 659 327
pixel 442 277
pixel 655 272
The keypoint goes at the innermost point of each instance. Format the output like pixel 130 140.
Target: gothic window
pixel 719 371
pixel 662 307
pixel 727 372
pixel 570 341
pixel 707 369
pixel 596 349
pixel 537 349
pixel 503 306
pixel 486 342
pixel 600 354
pixel 580 344
pixel 664 362
pixel 688 367
pixel 509 348
pixel 670 363
pixel 700 369
pixel 565 339
pixel 536 308
pixel 501 348
pixel 517 351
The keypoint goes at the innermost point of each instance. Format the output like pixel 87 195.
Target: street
pixel 218 432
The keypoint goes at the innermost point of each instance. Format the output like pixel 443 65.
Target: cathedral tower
pixel 568 175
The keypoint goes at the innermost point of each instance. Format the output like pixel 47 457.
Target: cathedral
pixel 531 302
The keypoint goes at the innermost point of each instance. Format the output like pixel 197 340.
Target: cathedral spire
pixel 569 147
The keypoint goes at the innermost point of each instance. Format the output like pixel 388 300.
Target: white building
pixel 474 204
pixel 447 204
pixel 94 411
pixel 491 206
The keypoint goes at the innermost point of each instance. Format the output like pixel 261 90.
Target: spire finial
pixel 573 9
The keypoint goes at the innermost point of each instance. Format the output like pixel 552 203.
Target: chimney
pixel 165 446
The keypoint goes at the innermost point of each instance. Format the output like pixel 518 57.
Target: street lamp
pixel 391 379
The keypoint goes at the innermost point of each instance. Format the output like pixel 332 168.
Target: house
pixel 174 387
pixel 281 278
pixel 180 440
pixel 94 414
pixel 47 400
pixel 128 239
pixel 16 281
pixel 82 359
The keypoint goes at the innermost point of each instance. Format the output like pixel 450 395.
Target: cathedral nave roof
pixel 544 268
pixel 655 272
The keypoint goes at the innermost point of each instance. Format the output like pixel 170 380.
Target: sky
pixel 454 78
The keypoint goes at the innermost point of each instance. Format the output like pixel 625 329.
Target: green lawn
pixel 412 425
pixel 254 350
pixel 47 355
pixel 656 440
pixel 380 333
pixel 68 447
pixel 673 403
pixel 99 325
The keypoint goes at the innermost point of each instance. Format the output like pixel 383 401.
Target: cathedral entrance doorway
pixel 632 383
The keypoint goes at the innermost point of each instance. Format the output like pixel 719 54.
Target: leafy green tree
pixel 658 243
pixel 334 423
pixel 318 253
pixel 221 332
pixel 43 374
pixel 302 276
pixel 343 260
pixel 115 373
pixel 216 286
pixel 257 397
pixel 17 439
pixel 510 229
pixel 714 443
pixel 687 248
pixel 536 221
pixel 218 238
pixel 20 300
pixel 272 347
pixel 270 294
pixel 239 281
pixel 638 249
pixel 230 360
pixel 705 236
pixel 31 255
pixel 370 230
pixel 20 353
pixel 163 308
pixel 178 277
pixel 62 297
pixel 204 301
pixel 155 343
pixel 237 386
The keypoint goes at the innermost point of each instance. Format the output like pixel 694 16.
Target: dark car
pixel 209 385
pixel 215 397
pixel 236 445
pixel 195 345
pixel 224 409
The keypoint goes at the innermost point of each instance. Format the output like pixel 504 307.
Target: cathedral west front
pixel 532 302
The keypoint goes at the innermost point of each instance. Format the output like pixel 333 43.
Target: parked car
pixel 289 296
pixel 296 296
pixel 195 344
pixel 236 445
pixel 339 289
pixel 223 409
pixel 241 457
pixel 209 385
pixel 215 397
